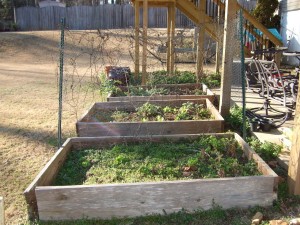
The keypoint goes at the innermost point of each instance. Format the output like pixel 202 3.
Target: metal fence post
pixel 61 72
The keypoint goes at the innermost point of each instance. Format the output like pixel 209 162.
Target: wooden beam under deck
pixel 156 3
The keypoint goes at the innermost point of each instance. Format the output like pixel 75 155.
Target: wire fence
pixel 87 53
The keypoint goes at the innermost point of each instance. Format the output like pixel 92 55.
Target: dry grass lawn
pixel 29 99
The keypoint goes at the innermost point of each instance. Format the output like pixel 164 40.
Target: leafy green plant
pixel 149 110
pixel 267 150
pixel 109 87
pixel 189 111
pixel 235 120
pixel 155 78
pixel 168 109
pixel 212 80
pixel 185 111
pixel 180 77
pixel 158 91
pixel 160 118
pixel 120 116
pixel 139 91
pixel 198 92
pixel 185 77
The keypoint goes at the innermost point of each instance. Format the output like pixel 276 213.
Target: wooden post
pixel 145 27
pixel 172 40
pixel 225 95
pixel 169 40
pixel 137 44
pixel 201 35
pixel 294 163
pixel 278 56
pixel 218 43
pixel 2 220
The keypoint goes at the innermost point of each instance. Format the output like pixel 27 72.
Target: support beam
pixel 201 35
pixel 145 27
pixel 226 76
pixel 218 43
pixel 172 40
pixel 136 39
pixel 169 40
pixel 294 163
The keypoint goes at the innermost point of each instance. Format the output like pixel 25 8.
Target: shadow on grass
pixel 39 135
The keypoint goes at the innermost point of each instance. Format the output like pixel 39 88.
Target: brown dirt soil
pixel 29 98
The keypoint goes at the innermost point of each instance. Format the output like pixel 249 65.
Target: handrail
pixel 189 8
pixel 252 20
pixel 261 27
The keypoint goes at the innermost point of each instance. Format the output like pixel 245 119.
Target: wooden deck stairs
pixel 208 15
pixel 216 8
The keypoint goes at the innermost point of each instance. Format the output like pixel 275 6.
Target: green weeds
pixel 158 78
pixel 151 112
pixel 207 157
pixel 267 150
pixel 212 80
pixel 180 77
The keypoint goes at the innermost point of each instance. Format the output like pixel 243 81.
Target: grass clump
pixel 206 157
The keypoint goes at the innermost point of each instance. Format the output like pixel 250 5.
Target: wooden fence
pixel 91 17
pixel 106 16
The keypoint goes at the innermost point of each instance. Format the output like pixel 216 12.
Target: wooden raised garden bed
pixel 134 199
pixel 90 126
pixel 179 92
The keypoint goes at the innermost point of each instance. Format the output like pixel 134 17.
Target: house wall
pixel 289 5
pixel 290 28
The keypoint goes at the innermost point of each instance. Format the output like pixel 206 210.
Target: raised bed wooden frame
pixel 208 94
pixel 119 200
pixel 88 126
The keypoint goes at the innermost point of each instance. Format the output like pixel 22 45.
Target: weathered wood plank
pixel 262 166
pixel 2 215
pixel 209 94
pixel 99 142
pixel 159 98
pixel 133 105
pixel 89 126
pixel 119 200
pixel 45 177
pixel 94 129
pixel 294 163
pixel 214 111
pixel 104 200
